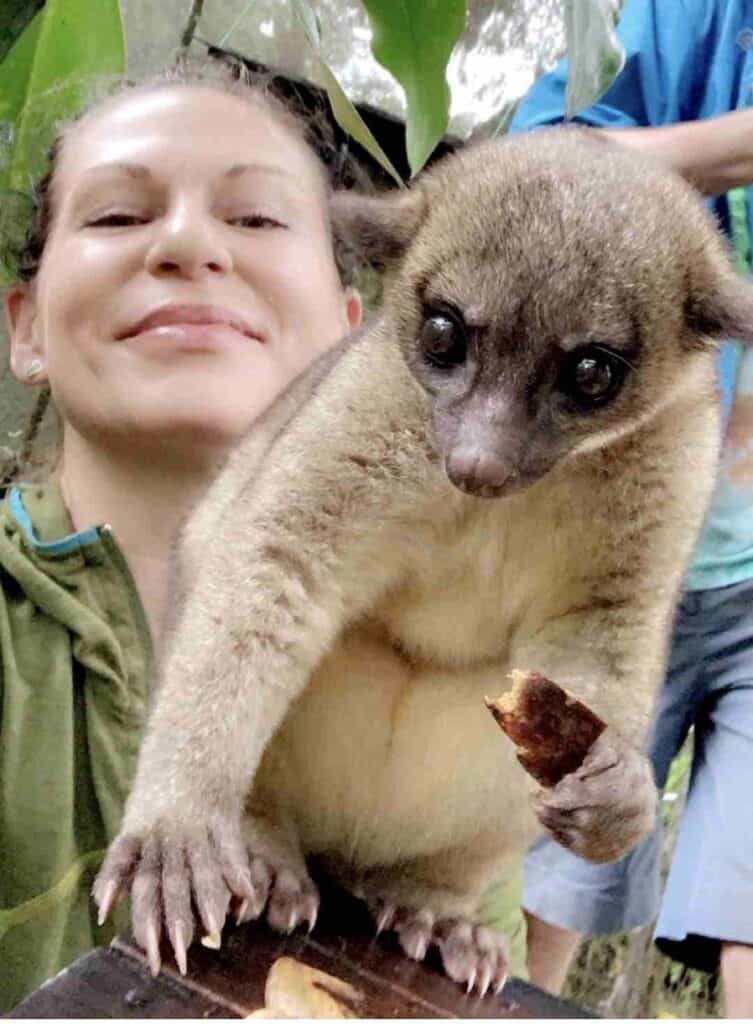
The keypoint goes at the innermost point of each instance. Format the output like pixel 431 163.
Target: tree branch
pixel 193 20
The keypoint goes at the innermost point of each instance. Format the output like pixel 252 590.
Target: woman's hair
pixel 26 222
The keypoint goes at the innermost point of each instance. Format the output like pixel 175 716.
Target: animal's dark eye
pixel 592 376
pixel 443 340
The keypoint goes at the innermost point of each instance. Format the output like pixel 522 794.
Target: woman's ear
pixel 26 351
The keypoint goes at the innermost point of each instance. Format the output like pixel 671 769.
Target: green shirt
pixel 75 654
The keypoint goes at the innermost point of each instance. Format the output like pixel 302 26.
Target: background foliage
pixel 63 42
pixel 47 73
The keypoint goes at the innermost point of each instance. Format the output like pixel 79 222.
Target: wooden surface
pixel 115 981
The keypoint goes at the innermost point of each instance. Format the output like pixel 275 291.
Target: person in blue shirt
pixel 685 95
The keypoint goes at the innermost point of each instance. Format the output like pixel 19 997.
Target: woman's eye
pixel 592 376
pixel 116 220
pixel 257 220
pixel 443 338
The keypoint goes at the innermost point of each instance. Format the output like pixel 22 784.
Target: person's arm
pixel 667 50
pixel 652 103
pixel 714 155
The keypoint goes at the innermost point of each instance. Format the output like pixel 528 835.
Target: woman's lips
pixel 187 337
pixel 190 324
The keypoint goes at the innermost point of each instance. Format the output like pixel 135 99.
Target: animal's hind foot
pixel 283 890
pixel 473 955
pixel 288 897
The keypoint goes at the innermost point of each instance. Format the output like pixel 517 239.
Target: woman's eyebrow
pixel 91 179
pixel 237 170
pixel 138 171
pixel 141 172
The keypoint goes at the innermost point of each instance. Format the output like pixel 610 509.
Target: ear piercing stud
pixel 34 368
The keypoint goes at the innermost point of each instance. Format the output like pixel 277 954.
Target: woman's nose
pixel 188 243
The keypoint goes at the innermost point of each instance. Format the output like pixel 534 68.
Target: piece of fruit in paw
pixel 551 728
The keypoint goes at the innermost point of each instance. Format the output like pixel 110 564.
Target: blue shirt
pixel 685 60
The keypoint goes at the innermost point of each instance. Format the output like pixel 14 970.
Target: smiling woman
pixel 180 274
pixel 163 201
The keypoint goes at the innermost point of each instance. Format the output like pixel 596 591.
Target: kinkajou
pixel 506 469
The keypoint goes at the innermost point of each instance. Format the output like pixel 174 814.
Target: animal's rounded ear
pixel 720 305
pixel 379 228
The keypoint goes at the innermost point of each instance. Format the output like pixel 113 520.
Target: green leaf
pixel 48 73
pixel 351 122
pixel 15 15
pixel 308 19
pixel 413 40
pixel 15 71
pixel 595 54
pixel 345 113
pixel 15 210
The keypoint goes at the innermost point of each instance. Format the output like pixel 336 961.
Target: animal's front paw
pixel 168 870
pixel 473 955
pixel 605 807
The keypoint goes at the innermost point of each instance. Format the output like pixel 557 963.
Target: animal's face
pixel 543 305
pixel 556 292
pixel 519 379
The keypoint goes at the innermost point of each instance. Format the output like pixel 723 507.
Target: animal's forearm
pixel 233 669
pixel 609 659
pixel 249 638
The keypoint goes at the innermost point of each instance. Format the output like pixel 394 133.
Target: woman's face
pixel 188 274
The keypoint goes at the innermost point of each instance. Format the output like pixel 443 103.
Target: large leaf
pixel 346 114
pixel 48 73
pixel 14 74
pixel 595 54
pixel 413 40
pixel 15 15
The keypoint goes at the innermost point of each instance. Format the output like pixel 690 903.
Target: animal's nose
pixel 477 471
